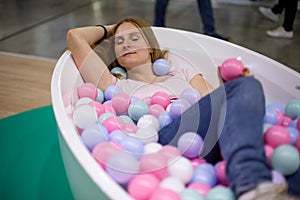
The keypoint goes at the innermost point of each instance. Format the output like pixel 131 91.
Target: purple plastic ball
pixel 191 95
pixel 205 173
pixel 164 119
pixel 111 91
pixel 178 107
pixel 190 144
pixel 161 67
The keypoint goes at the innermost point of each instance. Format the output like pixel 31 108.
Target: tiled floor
pixel 39 27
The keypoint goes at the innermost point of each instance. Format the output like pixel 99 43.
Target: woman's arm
pixel 200 84
pixel 91 67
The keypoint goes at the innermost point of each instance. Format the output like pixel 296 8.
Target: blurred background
pixel 39 27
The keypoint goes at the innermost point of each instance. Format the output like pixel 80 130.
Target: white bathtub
pixel 87 180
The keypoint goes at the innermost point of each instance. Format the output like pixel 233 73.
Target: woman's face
pixel 131 48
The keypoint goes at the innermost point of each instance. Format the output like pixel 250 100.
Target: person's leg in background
pixel 160 12
pixel 207 17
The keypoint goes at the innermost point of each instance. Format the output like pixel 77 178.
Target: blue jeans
pixel 230 120
pixel 205 11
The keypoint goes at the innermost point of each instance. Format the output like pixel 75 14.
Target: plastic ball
pixel 191 95
pixel 161 98
pixel 220 168
pixel 152 147
pixel 117 136
pixel 148 120
pixel 104 116
pixel 298 123
pixel 202 188
pixel 178 107
pixel 190 144
pixel 161 67
pixel 169 152
pixel 286 159
pixel 274 114
pixel 164 194
pixel 297 144
pixel 146 135
pixel 231 68
pixel 109 109
pixel 122 166
pixel 94 135
pixel 269 151
pixel 294 133
pixel 113 123
pixel 87 90
pixel 205 173
pixel 181 164
pixel 155 110
pixel 83 101
pixel 133 146
pixel 98 107
pixel 84 116
pixel 220 193
pixel 102 152
pixel 142 186
pixel 126 119
pixel 120 102
pixel 190 194
pixel 100 96
pixel 137 109
pixel 111 90
pixel 292 108
pixel 129 128
pixel 277 177
pixel 276 136
pixel 172 183
pixel 197 161
pixel 120 72
pixel 164 119
pixel 154 164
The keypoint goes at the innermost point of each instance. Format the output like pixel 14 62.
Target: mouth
pixel 128 53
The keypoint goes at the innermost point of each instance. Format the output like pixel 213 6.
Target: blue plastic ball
pixel 111 91
pixel 294 134
pixel 100 96
pixel 117 136
pixel 164 118
pixel 292 109
pixel 133 146
pixel 220 193
pixel 205 173
pixel 161 67
pixel 137 109
pixel 190 194
pixel 120 72
pixel 285 159
pixel 94 135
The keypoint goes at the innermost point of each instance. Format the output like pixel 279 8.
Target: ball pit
pixel 94 171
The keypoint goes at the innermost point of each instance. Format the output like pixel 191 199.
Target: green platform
pixel 31 166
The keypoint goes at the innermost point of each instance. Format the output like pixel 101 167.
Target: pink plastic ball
pixel 113 123
pixel 197 161
pixel 202 188
pixel 269 151
pixel 165 194
pixel 120 102
pixel 98 107
pixel 231 68
pixel 220 168
pixel 161 98
pixel 109 109
pixel 102 151
pixel 87 90
pixel 276 136
pixel 129 128
pixel 142 186
pixel 297 144
pixel 154 164
pixel 155 110
pixel 169 152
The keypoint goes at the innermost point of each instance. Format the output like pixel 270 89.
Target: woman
pixel 228 117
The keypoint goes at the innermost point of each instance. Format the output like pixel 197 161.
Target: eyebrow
pixel 132 33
